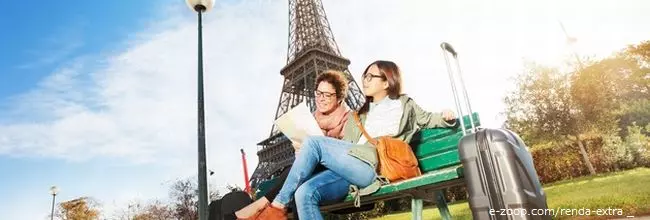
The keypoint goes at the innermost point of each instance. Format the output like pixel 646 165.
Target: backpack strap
pixel 363 130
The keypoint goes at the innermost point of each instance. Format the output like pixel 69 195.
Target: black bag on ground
pixel 230 203
pixel 215 210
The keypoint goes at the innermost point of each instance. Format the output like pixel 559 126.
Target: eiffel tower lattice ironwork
pixel 312 50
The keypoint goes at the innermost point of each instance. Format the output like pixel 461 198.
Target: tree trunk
pixel 585 157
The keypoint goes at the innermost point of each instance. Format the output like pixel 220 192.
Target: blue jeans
pixel 324 186
pixel 343 170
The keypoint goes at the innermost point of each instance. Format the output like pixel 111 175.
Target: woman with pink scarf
pixel 331 115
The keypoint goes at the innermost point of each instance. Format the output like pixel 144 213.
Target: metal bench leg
pixel 442 205
pixel 416 209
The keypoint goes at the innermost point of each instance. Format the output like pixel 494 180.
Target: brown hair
pixel 337 80
pixel 392 74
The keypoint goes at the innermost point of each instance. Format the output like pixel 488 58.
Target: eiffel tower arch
pixel 312 50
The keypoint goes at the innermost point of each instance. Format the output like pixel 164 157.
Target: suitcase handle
pixel 446 47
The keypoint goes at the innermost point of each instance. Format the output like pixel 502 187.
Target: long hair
pixel 391 71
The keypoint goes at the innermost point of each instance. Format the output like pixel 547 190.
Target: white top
pixel 383 119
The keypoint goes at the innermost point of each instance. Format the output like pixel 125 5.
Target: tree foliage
pixel 155 210
pixel 637 107
pixel 638 145
pixel 234 188
pixel 185 199
pixel 602 98
pixel 640 52
pixel 83 208
pixel 541 108
pixel 182 204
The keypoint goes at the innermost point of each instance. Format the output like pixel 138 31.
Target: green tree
pixel 602 98
pixel 638 145
pixel 634 112
pixel 636 109
pixel 542 109
pixel 599 90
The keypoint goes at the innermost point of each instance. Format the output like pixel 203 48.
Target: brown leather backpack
pixel 396 158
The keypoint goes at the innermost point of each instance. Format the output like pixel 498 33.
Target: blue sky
pixel 98 97
pixel 39 35
pixel 38 38
pixel 41 38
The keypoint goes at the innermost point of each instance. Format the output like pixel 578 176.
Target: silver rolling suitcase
pixel 499 172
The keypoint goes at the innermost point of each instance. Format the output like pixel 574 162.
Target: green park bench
pixel 437 153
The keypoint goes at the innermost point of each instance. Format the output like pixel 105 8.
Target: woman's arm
pixel 426 119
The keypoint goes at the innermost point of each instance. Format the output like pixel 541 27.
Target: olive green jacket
pixel 413 118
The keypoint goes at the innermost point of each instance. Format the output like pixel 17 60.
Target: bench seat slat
pixel 432 177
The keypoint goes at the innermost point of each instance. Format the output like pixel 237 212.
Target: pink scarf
pixel 332 123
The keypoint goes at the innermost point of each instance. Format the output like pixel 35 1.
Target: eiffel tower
pixel 312 50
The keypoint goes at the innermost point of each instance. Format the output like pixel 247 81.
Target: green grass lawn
pixel 627 190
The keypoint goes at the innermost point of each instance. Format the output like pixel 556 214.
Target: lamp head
pixel 54 190
pixel 200 5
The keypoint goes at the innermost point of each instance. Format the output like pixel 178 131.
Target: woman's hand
pixel 448 115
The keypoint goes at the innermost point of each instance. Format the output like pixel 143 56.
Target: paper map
pixel 298 123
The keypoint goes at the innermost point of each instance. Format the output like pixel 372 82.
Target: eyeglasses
pixel 320 94
pixel 369 76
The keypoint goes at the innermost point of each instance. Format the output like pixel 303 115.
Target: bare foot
pixel 253 208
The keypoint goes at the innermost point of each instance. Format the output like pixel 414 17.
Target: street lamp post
pixel 53 191
pixel 571 41
pixel 201 6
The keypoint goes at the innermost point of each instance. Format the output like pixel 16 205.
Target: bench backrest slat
pixel 437 148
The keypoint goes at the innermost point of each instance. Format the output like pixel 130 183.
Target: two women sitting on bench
pixel 351 161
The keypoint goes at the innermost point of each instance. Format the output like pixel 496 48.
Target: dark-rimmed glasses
pixel 368 77
pixel 328 95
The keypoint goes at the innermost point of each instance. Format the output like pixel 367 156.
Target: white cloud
pixel 142 104
pixel 139 106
